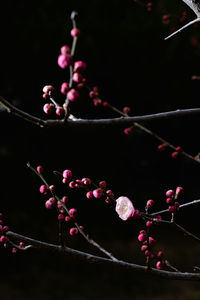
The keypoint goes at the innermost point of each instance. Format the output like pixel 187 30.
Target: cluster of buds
pixel 148 243
pixel 53 107
pixel 174 154
pixel 94 95
pixel 171 199
pixel 92 191
pixel 149 6
pixel 64 58
pixel 53 202
pixel 3 229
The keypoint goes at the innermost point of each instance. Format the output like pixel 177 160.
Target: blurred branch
pixel 101 260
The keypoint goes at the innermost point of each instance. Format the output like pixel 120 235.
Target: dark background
pixel 127 57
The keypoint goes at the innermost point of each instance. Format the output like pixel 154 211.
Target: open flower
pixel 124 208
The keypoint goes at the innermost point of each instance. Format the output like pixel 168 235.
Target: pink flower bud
pixel 178 149
pixel 68 218
pixel 73 231
pixel 49 108
pixel 159 265
pixel 64 180
pixel 61 217
pixel 89 194
pixel 172 208
pixel 169 200
pixel 21 245
pixel 105 104
pixel 64 88
pixel 97 102
pixel 161 147
pixel 149 224
pixel 60 111
pixel 44 189
pixel 52 188
pixel 75 32
pixel 14 250
pixel 142 237
pixel 77 77
pixel 73 95
pixel 160 254
pixel 3 239
pixel 65 50
pixel 179 190
pixel 170 193
pixel 65 199
pixel 97 193
pixel 48 89
pixel 40 169
pixel 91 94
pixel 110 193
pixel 175 154
pixel 64 61
pixel 152 241
pixel 144 248
pixel 108 200
pixel 124 208
pixel 72 184
pixel 147 253
pixel 150 203
pixel 73 212
pixel 102 184
pixel 79 66
pixel 5 228
pixel 49 204
pixel 126 110
pixel 86 181
pixel 166 19
pixel 67 174
pixel 127 131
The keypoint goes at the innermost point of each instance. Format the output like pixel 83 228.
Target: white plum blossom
pixel 124 208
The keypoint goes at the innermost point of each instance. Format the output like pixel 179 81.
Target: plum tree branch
pixel 75 122
pixel 101 260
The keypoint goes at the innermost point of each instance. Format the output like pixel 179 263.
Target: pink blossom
pixel 124 208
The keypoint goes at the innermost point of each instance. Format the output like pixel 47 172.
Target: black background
pixel 127 57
